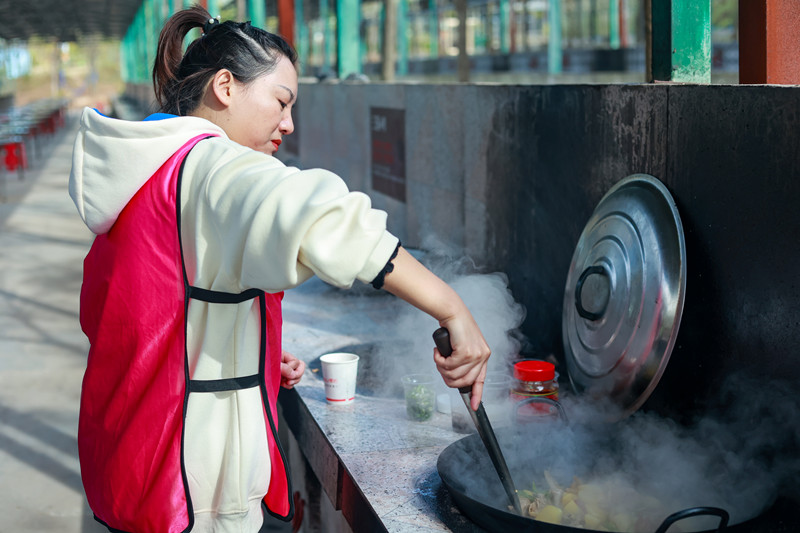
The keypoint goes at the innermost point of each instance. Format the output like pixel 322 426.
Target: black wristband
pixel 389 267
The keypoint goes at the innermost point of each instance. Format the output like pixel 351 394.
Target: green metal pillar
pixel 256 12
pixel 348 44
pixel 433 21
pixel 158 17
pixel 150 35
pixel 681 41
pixel 505 26
pixel 554 54
pixel 213 8
pixel 402 37
pixel 301 34
pixel 613 24
pixel 324 14
pixel 141 47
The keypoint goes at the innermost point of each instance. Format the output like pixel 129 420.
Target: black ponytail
pixel 180 79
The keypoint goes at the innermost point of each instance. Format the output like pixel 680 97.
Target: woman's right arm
pixel 420 287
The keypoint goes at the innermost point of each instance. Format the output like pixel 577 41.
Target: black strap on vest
pixel 216 297
pixel 219 297
pixel 220 385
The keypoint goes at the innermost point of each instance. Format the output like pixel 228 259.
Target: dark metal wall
pixel 729 156
pixel 66 20
pixel 511 174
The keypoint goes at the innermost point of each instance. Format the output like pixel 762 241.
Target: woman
pixel 199 230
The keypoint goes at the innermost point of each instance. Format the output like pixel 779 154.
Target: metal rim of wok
pixel 481 498
pixel 624 294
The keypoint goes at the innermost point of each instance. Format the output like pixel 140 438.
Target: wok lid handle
pixel 602 299
pixel 695 511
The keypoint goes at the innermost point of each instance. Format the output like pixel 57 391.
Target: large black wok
pixel 472 482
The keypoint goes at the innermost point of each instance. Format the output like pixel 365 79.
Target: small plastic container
pixel 420 395
pixel 534 380
pixel 496 387
pixel 495 402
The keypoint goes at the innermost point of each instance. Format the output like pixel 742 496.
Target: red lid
pixel 533 370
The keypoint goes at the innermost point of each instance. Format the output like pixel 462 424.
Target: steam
pixel 739 456
pixel 488 298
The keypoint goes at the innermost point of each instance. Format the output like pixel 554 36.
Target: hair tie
pixel 209 24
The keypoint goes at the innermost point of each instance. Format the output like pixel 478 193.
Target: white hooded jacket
pixel 247 221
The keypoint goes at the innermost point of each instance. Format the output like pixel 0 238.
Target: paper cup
pixel 339 372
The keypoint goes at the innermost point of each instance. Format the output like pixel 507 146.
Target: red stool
pixel 16 158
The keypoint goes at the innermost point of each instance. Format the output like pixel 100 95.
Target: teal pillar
pixel 348 42
pixel 150 37
pixel 256 12
pixel 554 55
pixel 681 41
pixel 141 46
pixel 613 24
pixel 433 14
pixel 324 14
pixel 301 34
pixel 381 26
pixel 505 26
pixel 402 37
pixel 480 40
pixel 213 8
pixel 159 18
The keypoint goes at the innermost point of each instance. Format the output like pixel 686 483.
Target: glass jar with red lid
pixel 534 380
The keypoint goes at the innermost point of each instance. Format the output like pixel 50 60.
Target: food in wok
pixel 602 504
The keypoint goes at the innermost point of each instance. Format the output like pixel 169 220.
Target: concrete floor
pixel 42 349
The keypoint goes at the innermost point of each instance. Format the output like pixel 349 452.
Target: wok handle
pixel 442 339
pixel 695 511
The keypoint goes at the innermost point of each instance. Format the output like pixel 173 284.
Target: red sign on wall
pixel 387 130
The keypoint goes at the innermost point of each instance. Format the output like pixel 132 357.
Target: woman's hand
pixel 292 370
pixel 467 364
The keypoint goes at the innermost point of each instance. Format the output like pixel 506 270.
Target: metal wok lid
pixel 624 295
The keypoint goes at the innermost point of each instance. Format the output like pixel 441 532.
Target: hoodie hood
pixel 113 158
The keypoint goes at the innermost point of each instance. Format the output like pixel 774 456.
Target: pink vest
pixel 133 310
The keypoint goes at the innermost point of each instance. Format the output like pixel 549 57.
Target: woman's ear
pixel 222 86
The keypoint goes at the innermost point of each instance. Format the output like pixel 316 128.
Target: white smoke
pixel 488 298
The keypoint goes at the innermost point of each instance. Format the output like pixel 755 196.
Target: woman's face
pixel 259 114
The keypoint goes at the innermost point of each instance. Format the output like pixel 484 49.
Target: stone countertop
pixel 375 464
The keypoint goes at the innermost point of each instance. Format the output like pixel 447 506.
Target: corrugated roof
pixel 66 20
